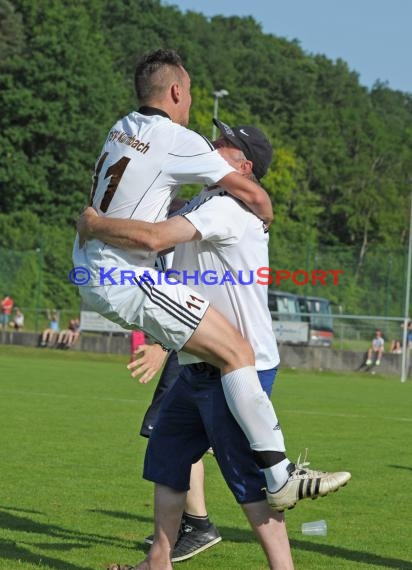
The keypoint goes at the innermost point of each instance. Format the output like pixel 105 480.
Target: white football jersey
pixel 143 161
pixel 233 246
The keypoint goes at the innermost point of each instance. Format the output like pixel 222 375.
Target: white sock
pixel 252 409
pixel 254 412
pixel 277 475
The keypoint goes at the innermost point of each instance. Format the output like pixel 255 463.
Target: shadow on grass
pixel 234 534
pixel 13 522
pixel 30 512
pixel 10 550
pixel 401 467
pixel 231 534
pixel 352 555
pixel 122 515
pixel 64 547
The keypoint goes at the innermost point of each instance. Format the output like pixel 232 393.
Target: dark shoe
pixel 192 541
pixel 149 539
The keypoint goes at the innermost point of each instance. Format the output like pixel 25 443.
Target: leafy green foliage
pixel 57 100
pixel 343 153
pixel 35 261
pixel 11 31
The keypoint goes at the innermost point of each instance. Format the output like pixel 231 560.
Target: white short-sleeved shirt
pixel 378 343
pixel 234 240
pixel 143 161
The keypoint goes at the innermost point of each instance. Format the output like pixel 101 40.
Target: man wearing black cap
pixel 254 144
pixel 225 237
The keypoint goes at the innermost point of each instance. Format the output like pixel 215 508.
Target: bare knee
pixel 216 341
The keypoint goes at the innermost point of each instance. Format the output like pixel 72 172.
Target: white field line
pixel 337 415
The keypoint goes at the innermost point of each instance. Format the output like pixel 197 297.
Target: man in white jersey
pixel 145 156
pixel 232 240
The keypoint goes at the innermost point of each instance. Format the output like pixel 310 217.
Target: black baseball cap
pixel 254 144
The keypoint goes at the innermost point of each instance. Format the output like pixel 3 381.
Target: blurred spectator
pixel 69 336
pixel 50 334
pixel 18 321
pixel 408 334
pixel 376 349
pixel 396 347
pixel 137 338
pixel 7 305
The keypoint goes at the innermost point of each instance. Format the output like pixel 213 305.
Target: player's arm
pixel 251 194
pixel 134 234
pixel 192 162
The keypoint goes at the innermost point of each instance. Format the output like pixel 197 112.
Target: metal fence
pixel 350 332
pixel 356 332
pixel 36 320
pixel 368 283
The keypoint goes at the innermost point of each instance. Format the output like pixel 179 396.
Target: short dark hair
pixel 147 82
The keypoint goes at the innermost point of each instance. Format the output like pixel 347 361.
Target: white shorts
pixel 168 311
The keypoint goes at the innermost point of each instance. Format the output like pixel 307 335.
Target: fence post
pixel 39 251
pixel 405 351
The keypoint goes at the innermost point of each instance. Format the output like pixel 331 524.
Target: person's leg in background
pixel 178 440
pixel 197 533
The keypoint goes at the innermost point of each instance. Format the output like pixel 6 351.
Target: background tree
pixel 339 182
pixel 58 97
pixel 11 32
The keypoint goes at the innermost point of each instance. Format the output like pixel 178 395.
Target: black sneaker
pixel 192 541
pixel 149 539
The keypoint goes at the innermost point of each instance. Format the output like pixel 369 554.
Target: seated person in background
pixel 396 347
pixel 18 321
pixel 69 336
pixel 48 335
pixel 376 350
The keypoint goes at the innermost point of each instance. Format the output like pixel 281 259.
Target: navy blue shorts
pixel 194 416
pixel 169 376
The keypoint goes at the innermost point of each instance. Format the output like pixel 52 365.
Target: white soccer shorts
pixel 168 311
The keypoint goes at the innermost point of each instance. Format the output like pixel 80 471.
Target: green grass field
pixel 72 497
